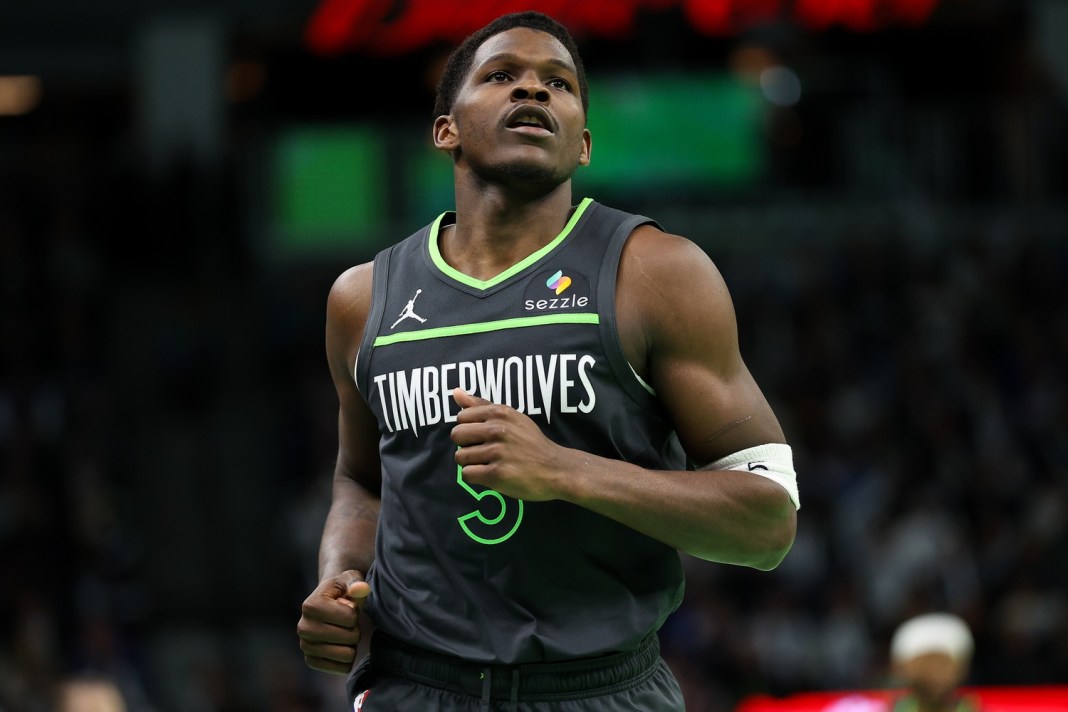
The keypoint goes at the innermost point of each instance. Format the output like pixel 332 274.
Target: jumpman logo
pixel 409 311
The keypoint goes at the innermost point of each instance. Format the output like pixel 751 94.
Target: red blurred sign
pixel 394 27
pixel 991 699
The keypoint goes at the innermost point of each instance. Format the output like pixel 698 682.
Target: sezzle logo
pixel 576 286
pixel 558 282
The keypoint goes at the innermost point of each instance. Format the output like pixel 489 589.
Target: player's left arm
pixel 678 329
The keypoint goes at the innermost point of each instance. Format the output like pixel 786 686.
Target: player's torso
pixel 471 571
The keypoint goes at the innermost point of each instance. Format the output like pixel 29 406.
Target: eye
pixel 558 83
pixel 498 76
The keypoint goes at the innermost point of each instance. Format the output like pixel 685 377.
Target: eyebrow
pixel 511 57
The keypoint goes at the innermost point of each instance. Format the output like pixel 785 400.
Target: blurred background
pixel 883 184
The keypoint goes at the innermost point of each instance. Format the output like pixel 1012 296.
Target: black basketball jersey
pixel 459 568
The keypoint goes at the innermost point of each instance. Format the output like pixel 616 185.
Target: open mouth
pixel 530 119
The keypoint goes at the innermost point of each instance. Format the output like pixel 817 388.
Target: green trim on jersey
pixel 440 263
pixel 482 327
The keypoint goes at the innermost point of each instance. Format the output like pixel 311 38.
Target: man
pixel 519 468
pixel 931 655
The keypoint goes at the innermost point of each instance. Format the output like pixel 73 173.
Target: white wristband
pixel 774 461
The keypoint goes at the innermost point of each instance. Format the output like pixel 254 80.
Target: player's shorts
pixel 396 677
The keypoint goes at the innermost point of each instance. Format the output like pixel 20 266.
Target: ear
pixel 446 133
pixel 587 148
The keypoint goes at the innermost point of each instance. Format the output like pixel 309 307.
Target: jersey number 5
pixel 483 529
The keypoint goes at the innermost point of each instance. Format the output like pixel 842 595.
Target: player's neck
pixel 494 231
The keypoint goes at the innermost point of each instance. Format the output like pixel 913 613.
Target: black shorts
pixel 396 677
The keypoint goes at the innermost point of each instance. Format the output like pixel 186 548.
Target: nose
pixel 530 87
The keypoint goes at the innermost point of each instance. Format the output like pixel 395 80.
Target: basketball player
pixel 520 465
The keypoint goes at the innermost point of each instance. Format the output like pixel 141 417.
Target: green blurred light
pixel 329 188
pixel 669 133
pixel 658 136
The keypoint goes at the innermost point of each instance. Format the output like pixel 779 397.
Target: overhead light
pixel 781 85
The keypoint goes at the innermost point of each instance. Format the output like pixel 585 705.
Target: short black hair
pixel 459 62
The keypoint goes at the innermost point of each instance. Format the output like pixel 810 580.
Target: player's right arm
pixel 328 627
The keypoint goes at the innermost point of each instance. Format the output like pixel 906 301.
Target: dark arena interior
pixel 882 183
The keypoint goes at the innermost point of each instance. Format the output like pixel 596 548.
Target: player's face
pixel 518 117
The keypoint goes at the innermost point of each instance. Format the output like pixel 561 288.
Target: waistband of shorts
pixel 570 679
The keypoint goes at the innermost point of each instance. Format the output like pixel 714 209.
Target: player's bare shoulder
pixel 670 299
pixel 668 276
pixel 347 307
pixel 349 300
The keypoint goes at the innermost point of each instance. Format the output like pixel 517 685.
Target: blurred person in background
pixel 931 656
pixel 89 694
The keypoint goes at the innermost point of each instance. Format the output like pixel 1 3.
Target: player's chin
pixel 532 172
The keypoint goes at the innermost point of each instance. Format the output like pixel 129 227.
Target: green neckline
pixel 445 267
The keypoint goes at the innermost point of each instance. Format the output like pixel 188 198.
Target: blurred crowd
pixel 925 389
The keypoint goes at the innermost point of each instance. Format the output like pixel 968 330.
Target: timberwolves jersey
pixel 459 568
